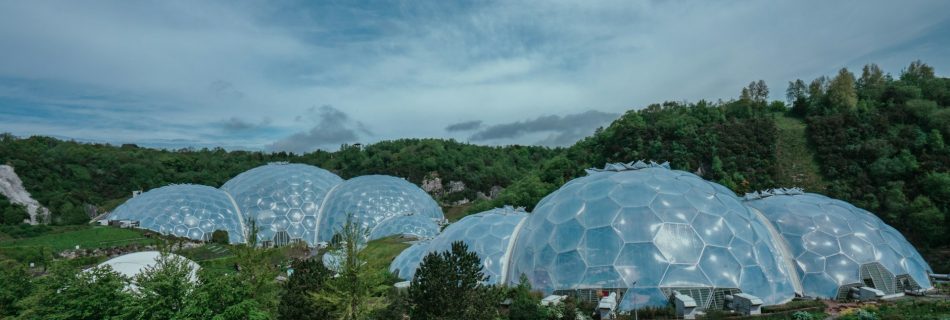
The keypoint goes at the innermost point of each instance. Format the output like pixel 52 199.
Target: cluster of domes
pixel 645 231
pixel 287 203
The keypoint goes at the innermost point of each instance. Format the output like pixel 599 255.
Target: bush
pixel 220 237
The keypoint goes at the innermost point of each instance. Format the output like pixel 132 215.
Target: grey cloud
pixel 464 126
pixel 225 89
pixel 332 128
pixel 235 124
pixel 562 130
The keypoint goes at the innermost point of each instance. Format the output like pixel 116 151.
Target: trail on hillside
pixel 796 162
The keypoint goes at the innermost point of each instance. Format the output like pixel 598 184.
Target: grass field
pixel 87 237
pixel 796 161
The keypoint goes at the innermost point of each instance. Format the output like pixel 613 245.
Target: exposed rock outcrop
pixel 12 187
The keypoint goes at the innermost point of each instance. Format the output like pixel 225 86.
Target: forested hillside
pixel 878 141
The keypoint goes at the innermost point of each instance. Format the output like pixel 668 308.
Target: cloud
pixel 332 128
pixel 464 126
pixel 560 130
pixel 407 69
pixel 237 125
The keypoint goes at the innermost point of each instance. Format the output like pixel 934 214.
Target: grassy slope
pixel 380 252
pixel 455 213
pixel 796 161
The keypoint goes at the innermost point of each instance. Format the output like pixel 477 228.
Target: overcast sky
pixel 298 76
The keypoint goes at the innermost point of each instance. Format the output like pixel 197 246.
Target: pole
pixel 635 315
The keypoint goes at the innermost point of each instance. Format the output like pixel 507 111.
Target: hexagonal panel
pixel 633 195
pixel 599 213
pixel 601 246
pixel 569 269
pixel 713 229
pixel 567 236
pixel 641 262
pixel 856 248
pixel 679 243
pixel 721 267
pixel 637 224
pixel 673 208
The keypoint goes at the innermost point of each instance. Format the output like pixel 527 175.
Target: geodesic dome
pixel 489 234
pixel 284 199
pixel 662 229
pixel 837 245
pixel 184 210
pixel 415 226
pixel 406 263
pixel 372 200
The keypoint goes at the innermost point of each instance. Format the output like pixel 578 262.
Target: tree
pixel 756 92
pixel 220 237
pixel 917 72
pixel 797 90
pixel 11 213
pixel 841 91
pixel 309 277
pixel 525 305
pixel 222 297
pixel 449 285
pixel 97 293
pixel 16 285
pixel 872 82
pixel 346 295
pixel 163 290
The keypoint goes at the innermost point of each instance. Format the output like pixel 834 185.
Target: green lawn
pixel 41 246
pixel 91 237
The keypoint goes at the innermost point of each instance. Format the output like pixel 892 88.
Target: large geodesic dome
pixel 489 234
pixel 376 201
pixel 837 246
pixel 646 230
pixel 284 199
pixel 184 210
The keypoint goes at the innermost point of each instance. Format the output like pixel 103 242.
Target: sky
pixel 304 75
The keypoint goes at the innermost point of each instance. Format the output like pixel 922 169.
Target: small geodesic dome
pixel 132 264
pixel 489 234
pixel 837 245
pixel 646 230
pixel 376 201
pixel 406 263
pixel 184 210
pixel 284 200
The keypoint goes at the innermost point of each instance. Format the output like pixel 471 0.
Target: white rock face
pixel 12 188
